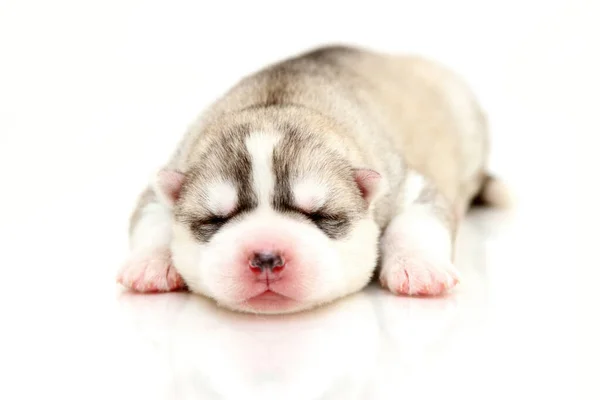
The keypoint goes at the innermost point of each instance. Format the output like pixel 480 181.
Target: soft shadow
pixel 217 354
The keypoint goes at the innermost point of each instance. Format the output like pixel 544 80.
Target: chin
pixel 269 302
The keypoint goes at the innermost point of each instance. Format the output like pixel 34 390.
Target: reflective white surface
pixel 93 98
pixel 506 332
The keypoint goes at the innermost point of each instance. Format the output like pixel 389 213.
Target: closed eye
pixel 319 216
pixel 333 225
pixel 215 220
pixel 205 228
pixel 316 215
pixel 324 219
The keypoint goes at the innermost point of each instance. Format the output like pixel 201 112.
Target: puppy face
pixel 273 222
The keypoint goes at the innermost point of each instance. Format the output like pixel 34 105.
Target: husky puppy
pixel 312 176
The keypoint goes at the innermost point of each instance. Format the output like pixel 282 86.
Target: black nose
pixel 269 261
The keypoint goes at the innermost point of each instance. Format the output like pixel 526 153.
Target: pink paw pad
pixel 151 272
pixel 419 277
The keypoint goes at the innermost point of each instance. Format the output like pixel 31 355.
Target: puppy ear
pixel 167 185
pixel 369 183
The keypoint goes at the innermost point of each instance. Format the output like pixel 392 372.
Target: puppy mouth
pixel 269 295
pixel 269 301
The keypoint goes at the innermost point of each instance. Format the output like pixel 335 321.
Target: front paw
pixel 150 271
pixel 416 273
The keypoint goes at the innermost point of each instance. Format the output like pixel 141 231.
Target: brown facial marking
pixel 290 159
pixel 227 157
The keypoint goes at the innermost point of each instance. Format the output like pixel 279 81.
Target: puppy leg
pixel 417 245
pixel 149 267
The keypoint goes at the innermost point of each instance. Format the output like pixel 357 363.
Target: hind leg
pixel 417 246
pixel 149 267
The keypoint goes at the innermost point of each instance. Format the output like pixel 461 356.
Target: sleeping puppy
pixel 312 176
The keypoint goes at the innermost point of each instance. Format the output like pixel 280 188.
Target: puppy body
pixel 331 163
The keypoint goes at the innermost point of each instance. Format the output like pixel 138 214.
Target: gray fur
pixel 337 108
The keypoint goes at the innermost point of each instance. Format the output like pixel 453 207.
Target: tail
pixel 492 193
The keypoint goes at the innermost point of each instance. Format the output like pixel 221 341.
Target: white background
pixel 94 94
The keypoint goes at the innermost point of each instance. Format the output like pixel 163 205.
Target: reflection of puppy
pixel 281 195
pixel 215 353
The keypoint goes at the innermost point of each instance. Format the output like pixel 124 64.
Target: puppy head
pixel 272 222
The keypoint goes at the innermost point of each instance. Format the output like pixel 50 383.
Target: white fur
pixel 331 269
pixel 424 229
pixel 413 186
pixel 417 251
pixel 148 266
pixel 310 194
pixel 155 185
pixel 260 146
pixel 222 197
pixel 358 255
pixel 153 229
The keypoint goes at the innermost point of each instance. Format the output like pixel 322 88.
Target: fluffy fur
pixel 336 161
